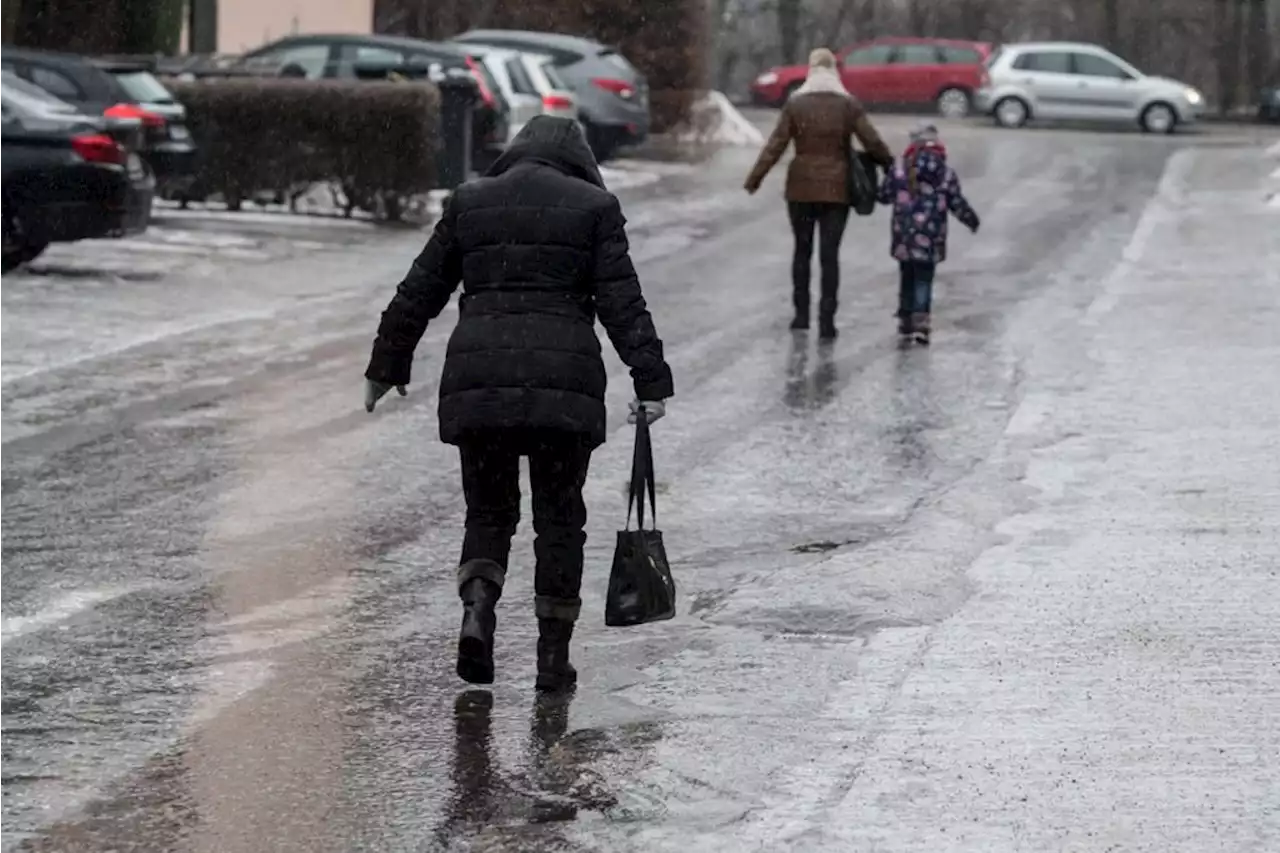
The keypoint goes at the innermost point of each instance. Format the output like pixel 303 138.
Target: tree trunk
pixel 1259 46
pixel 789 30
pixel 1111 25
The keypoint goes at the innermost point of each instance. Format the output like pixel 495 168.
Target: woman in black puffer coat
pixel 540 249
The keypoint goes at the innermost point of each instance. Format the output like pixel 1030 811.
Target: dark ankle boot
pixel 800 323
pixel 920 326
pixel 555 673
pixel 827 319
pixel 475 640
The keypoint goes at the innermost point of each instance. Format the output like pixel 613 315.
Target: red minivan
pixel 894 72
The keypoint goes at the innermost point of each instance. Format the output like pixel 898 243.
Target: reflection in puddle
pixel 804 390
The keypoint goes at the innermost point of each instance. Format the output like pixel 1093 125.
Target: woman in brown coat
pixel 819 117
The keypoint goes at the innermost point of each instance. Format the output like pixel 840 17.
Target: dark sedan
pixel 118 89
pixel 1269 104
pixel 67 176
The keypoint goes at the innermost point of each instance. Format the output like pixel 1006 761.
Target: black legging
pixel 830 218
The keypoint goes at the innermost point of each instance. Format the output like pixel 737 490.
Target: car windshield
pixel 991 60
pixel 142 86
pixel 30 96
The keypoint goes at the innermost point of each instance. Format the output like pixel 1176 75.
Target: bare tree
pixel 789 29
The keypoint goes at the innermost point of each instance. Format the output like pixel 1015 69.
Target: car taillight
pixel 148 118
pixel 621 88
pixel 485 94
pixel 99 148
pixel 556 102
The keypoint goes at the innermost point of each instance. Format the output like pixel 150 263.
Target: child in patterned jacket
pixel 923 189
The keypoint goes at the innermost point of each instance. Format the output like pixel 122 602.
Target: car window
pixel 875 54
pixel 521 84
pixel 917 54
pixel 1092 65
pixel 55 83
pixel 351 55
pixel 16 86
pixel 304 60
pixel 960 55
pixel 553 77
pixel 1053 62
pixel 993 58
pixel 142 86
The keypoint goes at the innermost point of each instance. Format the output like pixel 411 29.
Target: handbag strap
pixel 642 476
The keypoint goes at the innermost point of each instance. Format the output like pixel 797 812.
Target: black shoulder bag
pixel 861 182
pixel 641 588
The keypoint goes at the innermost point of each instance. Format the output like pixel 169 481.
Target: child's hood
pixel 930 163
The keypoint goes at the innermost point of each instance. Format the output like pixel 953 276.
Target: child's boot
pixel 920 327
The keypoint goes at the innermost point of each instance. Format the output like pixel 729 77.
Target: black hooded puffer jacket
pixel 540 249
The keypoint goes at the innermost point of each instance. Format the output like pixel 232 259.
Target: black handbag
pixel 861 182
pixel 641 588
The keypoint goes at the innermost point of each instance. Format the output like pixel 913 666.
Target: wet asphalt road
pixel 227 591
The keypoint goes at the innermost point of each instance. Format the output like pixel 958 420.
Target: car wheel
pixel 1011 112
pixel 18 249
pixel 1159 118
pixel 954 103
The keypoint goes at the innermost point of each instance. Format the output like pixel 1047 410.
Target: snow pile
pixel 714 120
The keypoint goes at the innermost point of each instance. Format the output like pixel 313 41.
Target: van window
pixel 917 54
pixel 960 55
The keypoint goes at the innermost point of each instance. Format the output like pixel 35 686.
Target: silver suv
pixel 613 97
pixel 1069 81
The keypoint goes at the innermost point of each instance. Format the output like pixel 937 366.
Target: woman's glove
pixel 653 409
pixel 375 391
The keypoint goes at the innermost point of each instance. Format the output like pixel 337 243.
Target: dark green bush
pixel 271 136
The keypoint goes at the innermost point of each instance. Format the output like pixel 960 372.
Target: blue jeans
pixel 915 287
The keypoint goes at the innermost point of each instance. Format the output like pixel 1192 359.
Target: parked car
pixel 1070 81
pixel 67 175
pixel 530 84
pixel 121 89
pixel 336 56
pixel 613 97
pixel 169 147
pixel 894 72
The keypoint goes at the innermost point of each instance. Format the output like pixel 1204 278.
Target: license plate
pixel 178 133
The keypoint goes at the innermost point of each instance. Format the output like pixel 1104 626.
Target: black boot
pixel 475 640
pixel 800 299
pixel 555 673
pixel 827 319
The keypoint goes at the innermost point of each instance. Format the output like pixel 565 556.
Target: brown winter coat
pixel 820 123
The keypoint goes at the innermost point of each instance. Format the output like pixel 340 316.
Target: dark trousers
pixel 830 220
pixel 915 287
pixel 558 465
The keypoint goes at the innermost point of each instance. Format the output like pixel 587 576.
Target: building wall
pixel 246 24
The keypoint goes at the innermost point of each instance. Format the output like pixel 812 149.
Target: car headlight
pixel 768 78
pixel 1193 97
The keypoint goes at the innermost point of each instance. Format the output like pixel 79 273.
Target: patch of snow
pixel 621 179
pixel 169 210
pixel 1274 151
pixel 716 121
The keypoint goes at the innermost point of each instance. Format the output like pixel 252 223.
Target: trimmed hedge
pixel 272 136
